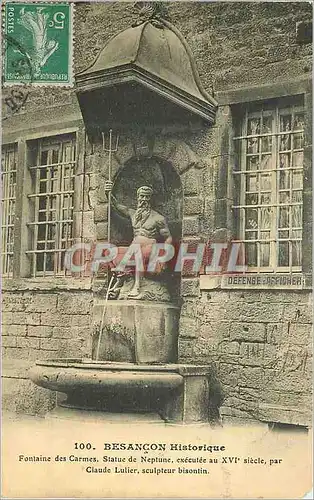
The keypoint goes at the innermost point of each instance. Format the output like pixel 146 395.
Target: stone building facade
pixel 253 59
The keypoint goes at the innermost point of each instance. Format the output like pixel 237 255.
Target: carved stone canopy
pixel 145 73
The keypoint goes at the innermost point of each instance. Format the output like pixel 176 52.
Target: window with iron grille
pixel 269 182
pixel 8 184
pixel 51 203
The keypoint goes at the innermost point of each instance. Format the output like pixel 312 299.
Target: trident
pixel 109 151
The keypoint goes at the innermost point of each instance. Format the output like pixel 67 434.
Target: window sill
pixel 46 284
pixel 258 281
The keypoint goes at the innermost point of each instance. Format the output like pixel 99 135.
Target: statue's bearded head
pixel 144 194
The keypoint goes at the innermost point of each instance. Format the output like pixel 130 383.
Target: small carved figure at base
pixel 150 289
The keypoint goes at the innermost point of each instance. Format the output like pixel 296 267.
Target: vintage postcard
pixel 156 255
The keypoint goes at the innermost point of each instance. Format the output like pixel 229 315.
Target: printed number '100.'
pixel 82 446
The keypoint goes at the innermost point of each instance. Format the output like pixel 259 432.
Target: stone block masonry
pixel 38 325
pixel 260 343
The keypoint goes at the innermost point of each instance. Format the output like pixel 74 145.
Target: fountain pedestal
pixel 136 331
pixel 178 393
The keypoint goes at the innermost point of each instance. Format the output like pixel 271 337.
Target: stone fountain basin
pixel 177 392
pixel 74 374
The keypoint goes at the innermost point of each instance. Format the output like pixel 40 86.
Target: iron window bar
pixel 34 167
pixel 270 134
pixel 281 205
pixel 49 222
pixel 265 170
pixel 55 193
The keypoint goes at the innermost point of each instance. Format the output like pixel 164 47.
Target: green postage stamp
pixel 38 43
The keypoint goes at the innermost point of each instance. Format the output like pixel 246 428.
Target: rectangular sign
pixel 253 281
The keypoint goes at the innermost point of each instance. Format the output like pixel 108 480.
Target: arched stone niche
pixel 162 160
pixel 167 196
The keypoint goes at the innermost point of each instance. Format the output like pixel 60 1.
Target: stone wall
pixel 261 344
pixel 40 322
